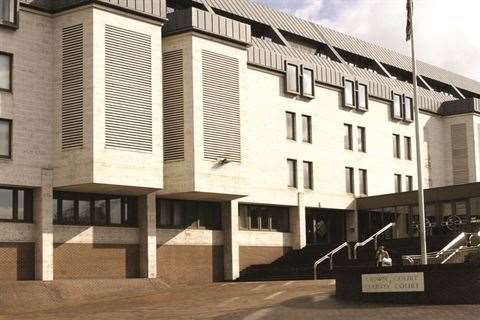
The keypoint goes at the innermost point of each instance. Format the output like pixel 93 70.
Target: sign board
pixel 393 282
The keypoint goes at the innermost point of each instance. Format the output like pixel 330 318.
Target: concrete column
pixel 297 224
pixel 43 218
pixel 231 255
pixel 352 229
pixel 148 235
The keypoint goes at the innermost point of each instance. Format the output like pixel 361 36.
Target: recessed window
pixel 16 205
pixel 362 143
pixel 291 128
pixel 5 71
pixel 307 128
pixel 362 174
pixel 347 136
pixel 307 175
pixel 267 218
pixel 408 112
pixel 408 148
pixel 292 173
pixel 180 214
pixel 349 94
pixel 362 97
pixel 396 146
pixel 397 107
pixel 409 183
pixel 349 181
pixel 293 79
pixel 5 138
pixel 398 183
pixel 86 209
pixel 7 11
pixel 308 82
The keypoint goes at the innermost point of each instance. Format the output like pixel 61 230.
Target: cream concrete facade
pixel 39 163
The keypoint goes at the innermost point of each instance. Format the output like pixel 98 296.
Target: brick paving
pixel 245 301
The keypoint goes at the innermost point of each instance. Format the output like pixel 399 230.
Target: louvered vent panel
pixel 459 153
pixel 221 106
pixel 72 87
pixel 128 89
pixel 173 112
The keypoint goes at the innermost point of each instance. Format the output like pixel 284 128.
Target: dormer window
pixel 355 95
pixel 7 12
pixel 300 80
pixel 402 107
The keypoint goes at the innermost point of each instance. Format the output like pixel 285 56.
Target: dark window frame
pixel 126 201
pixel 200 222
pixel 397 153
pixel 403 105
pixel 295 175
pixel 10 139
pixel 357 93
pixel 14 24
pixel 283 216
pixel 397 179
pixel 362 139
pixel 400 101
pixel 356 85
pixel 309 128
pixel 306 95
pixel 294 125
pixel 409 182
pixel 10 55
pixel 405 98
pixel 310 184
pixel 27 205
pixel 353 96
pixel 298 82
pixel 350 184
pixel 349 137
pixel 407 145
pixel 363 179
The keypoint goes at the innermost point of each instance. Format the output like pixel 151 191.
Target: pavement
pixel 243 301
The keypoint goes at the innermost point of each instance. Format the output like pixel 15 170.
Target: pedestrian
pixel 383 258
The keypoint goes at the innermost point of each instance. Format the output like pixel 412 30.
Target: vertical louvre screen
pixel 173 110
pixel 459 153
pixel 72 87
pixel 128 89
pixel 221 107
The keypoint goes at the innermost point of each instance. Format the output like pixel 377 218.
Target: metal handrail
pixel 372 237
pixel 448 254
pixel 449 245
pixel 436 254
pixel 329 256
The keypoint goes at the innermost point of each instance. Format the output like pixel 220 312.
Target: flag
pixel 409 19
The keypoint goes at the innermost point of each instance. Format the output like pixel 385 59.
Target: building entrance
pixel 325 226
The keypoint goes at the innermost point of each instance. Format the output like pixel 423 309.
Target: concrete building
pixel 187 140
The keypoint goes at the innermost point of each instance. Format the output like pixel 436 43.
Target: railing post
pixel 376 242
pixel 331 262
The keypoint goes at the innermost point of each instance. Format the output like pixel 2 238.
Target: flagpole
pixel 421 200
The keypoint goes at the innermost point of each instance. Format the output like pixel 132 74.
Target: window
pixel 398 183
pixel 362 145
pixel 349 183
pixel 347 136
pixel 397 106
pixel 409 183
pixel 5 71
pixel 362 95
pixel 396 146
pixel 5 138
pixel 307 128
pixel 308 82
pixel 292 79
pixel 349 93
pixel 408 148
pixel 408 112
pixel 292 173
pixel 94 209
pixel 307 175
pixel 16 205
pixel 363 181
pixel 291 126
pixel 269 218
pixel 7 11
pixel 180 214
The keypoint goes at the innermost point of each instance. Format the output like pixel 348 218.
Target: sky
pixel 446 31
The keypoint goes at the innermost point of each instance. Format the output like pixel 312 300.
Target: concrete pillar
pixel 43 218
pixel 297 224
pixel 148 235
pixel 352 226
pixel 231 255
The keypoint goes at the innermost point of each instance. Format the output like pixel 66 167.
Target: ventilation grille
pixel 128 89
pixel 221 107
pixel 173 117
pixel 459 153
pixel 72 87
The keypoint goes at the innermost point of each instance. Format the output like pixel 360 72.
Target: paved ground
pixel 246 301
